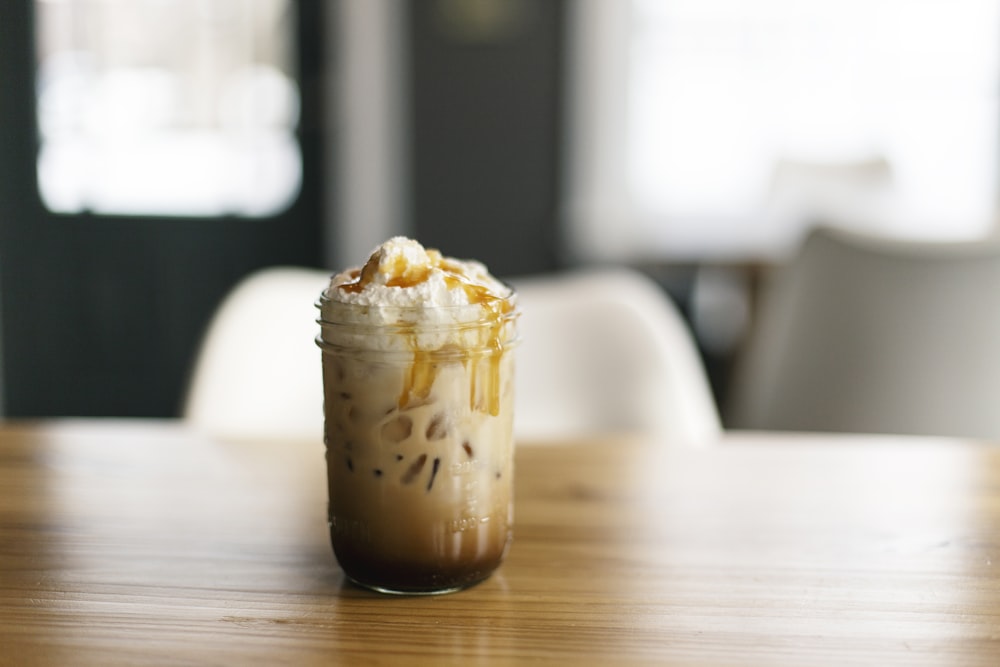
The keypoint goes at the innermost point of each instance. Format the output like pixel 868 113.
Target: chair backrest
pixel 606 351
pixel 601 352
pixel 872 335
pixel 257 374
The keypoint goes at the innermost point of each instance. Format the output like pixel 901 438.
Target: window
pixel 167 107
pixel 723 128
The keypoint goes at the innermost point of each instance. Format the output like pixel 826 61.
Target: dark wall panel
pixel 485 120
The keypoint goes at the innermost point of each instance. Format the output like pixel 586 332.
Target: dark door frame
pixel 101 315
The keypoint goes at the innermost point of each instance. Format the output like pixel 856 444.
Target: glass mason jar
pixel 419 441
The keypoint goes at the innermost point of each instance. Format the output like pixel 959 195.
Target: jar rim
pixel 483 329
pixel 462 314
pixel 325 299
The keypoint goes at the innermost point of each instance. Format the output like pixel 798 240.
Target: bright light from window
pixel 743 122
pixel 184 108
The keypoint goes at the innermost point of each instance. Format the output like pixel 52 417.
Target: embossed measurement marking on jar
pixel 470 522
pixel 466 467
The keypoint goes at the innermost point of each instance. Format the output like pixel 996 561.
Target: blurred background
pixel 154 152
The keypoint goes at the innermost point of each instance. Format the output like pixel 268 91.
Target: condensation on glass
pixel 167 107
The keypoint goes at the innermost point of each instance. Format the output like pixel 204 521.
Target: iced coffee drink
pixel 418 376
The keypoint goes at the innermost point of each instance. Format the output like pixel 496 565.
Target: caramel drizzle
pixel 420 376
pixel 401 274
pixel 497 308
pixel 354 285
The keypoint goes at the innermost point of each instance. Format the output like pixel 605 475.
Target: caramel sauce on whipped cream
pixel 435 293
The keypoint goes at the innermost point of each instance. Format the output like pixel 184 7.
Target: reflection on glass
pixel 167 107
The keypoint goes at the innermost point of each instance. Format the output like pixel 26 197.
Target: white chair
pixel 601 352
pixel 870 335
pixel 257 374
pixel 605 351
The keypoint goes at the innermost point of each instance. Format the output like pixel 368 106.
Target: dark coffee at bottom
pixel 401 575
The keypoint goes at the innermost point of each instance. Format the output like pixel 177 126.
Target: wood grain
pixel 141 543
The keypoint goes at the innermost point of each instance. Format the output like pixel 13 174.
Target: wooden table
pixel 135 543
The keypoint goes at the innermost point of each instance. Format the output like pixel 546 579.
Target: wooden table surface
pixel 142 543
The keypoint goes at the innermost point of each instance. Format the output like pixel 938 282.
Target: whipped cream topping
pixel 433 309
pixel 401 273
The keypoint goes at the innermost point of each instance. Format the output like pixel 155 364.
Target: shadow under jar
pixel 419 441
